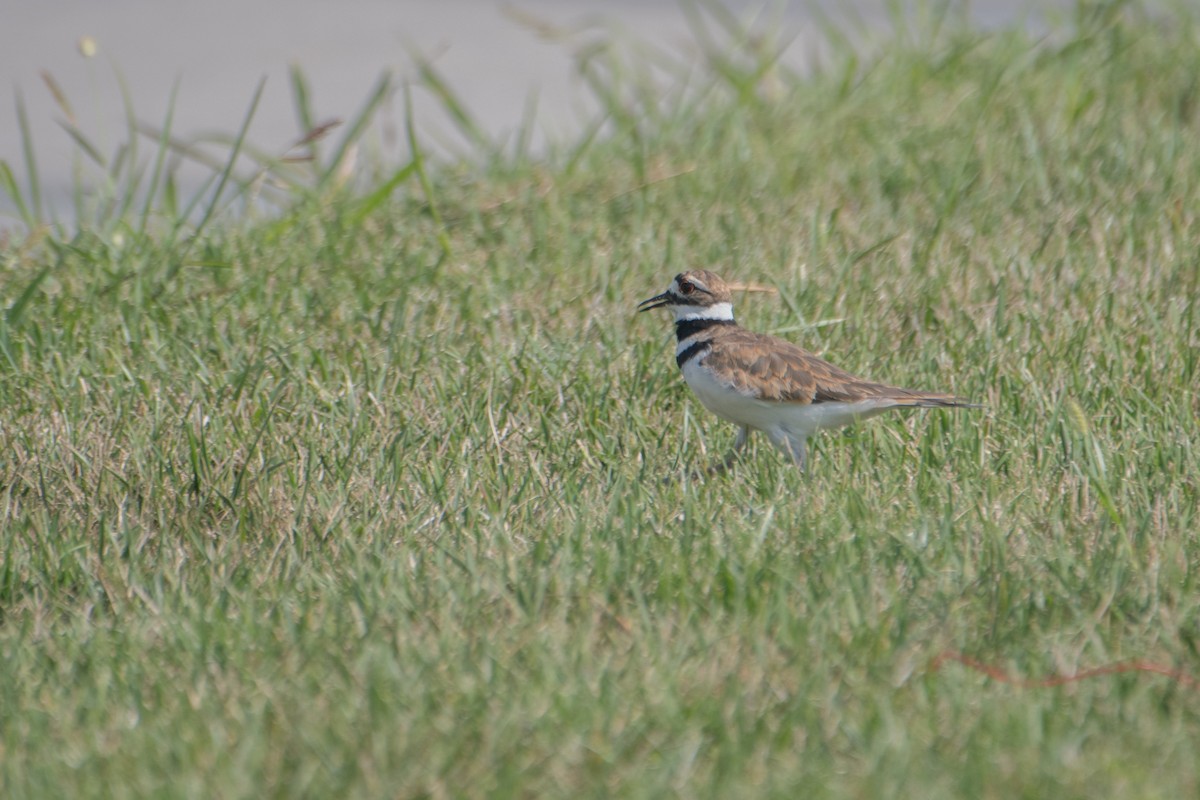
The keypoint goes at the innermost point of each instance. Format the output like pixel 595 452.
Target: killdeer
pixel 761 383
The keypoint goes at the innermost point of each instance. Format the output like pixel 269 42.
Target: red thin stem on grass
pixel 998 674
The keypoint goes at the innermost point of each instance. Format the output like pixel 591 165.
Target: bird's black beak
pixel 658 301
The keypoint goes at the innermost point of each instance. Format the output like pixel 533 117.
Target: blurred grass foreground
pixel 364 497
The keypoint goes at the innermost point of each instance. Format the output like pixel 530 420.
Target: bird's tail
pixel 934 400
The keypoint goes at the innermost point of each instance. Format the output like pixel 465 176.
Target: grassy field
pixel 366 499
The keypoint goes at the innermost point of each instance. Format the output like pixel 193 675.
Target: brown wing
pixel 779 371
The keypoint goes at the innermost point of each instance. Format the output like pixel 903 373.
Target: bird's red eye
pixel 686 288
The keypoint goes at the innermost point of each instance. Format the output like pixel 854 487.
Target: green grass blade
pixel 587 140
pixel 85 144
pixel 8 183
pixel 60 97
pixel 230 162
pixel 418 164
pixel 127 182
pixel 14 313
pixel 302 103
pixel 170 199
pixel 188 149
pixel 35 215
pixel 604 81
pixel 282 172
pixel 432 80
pixel 366 206
pixel 160 158
pixel 357 126
pixel 522 144
pixel 191 208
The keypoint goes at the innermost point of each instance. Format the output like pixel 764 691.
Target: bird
pixel 764 383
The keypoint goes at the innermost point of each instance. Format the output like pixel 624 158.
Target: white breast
pixel 725 401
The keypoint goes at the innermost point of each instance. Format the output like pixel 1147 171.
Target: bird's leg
pixel 738 444
pixel 793 446
pixel 798 450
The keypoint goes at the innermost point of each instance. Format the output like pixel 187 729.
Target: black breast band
pixel 690 327
pixel 692 351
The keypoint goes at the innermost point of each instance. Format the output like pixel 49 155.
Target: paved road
pixel 493 53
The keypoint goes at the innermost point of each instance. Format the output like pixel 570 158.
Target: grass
pixel 365 499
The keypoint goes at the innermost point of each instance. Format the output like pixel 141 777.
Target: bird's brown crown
pixel 695 288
